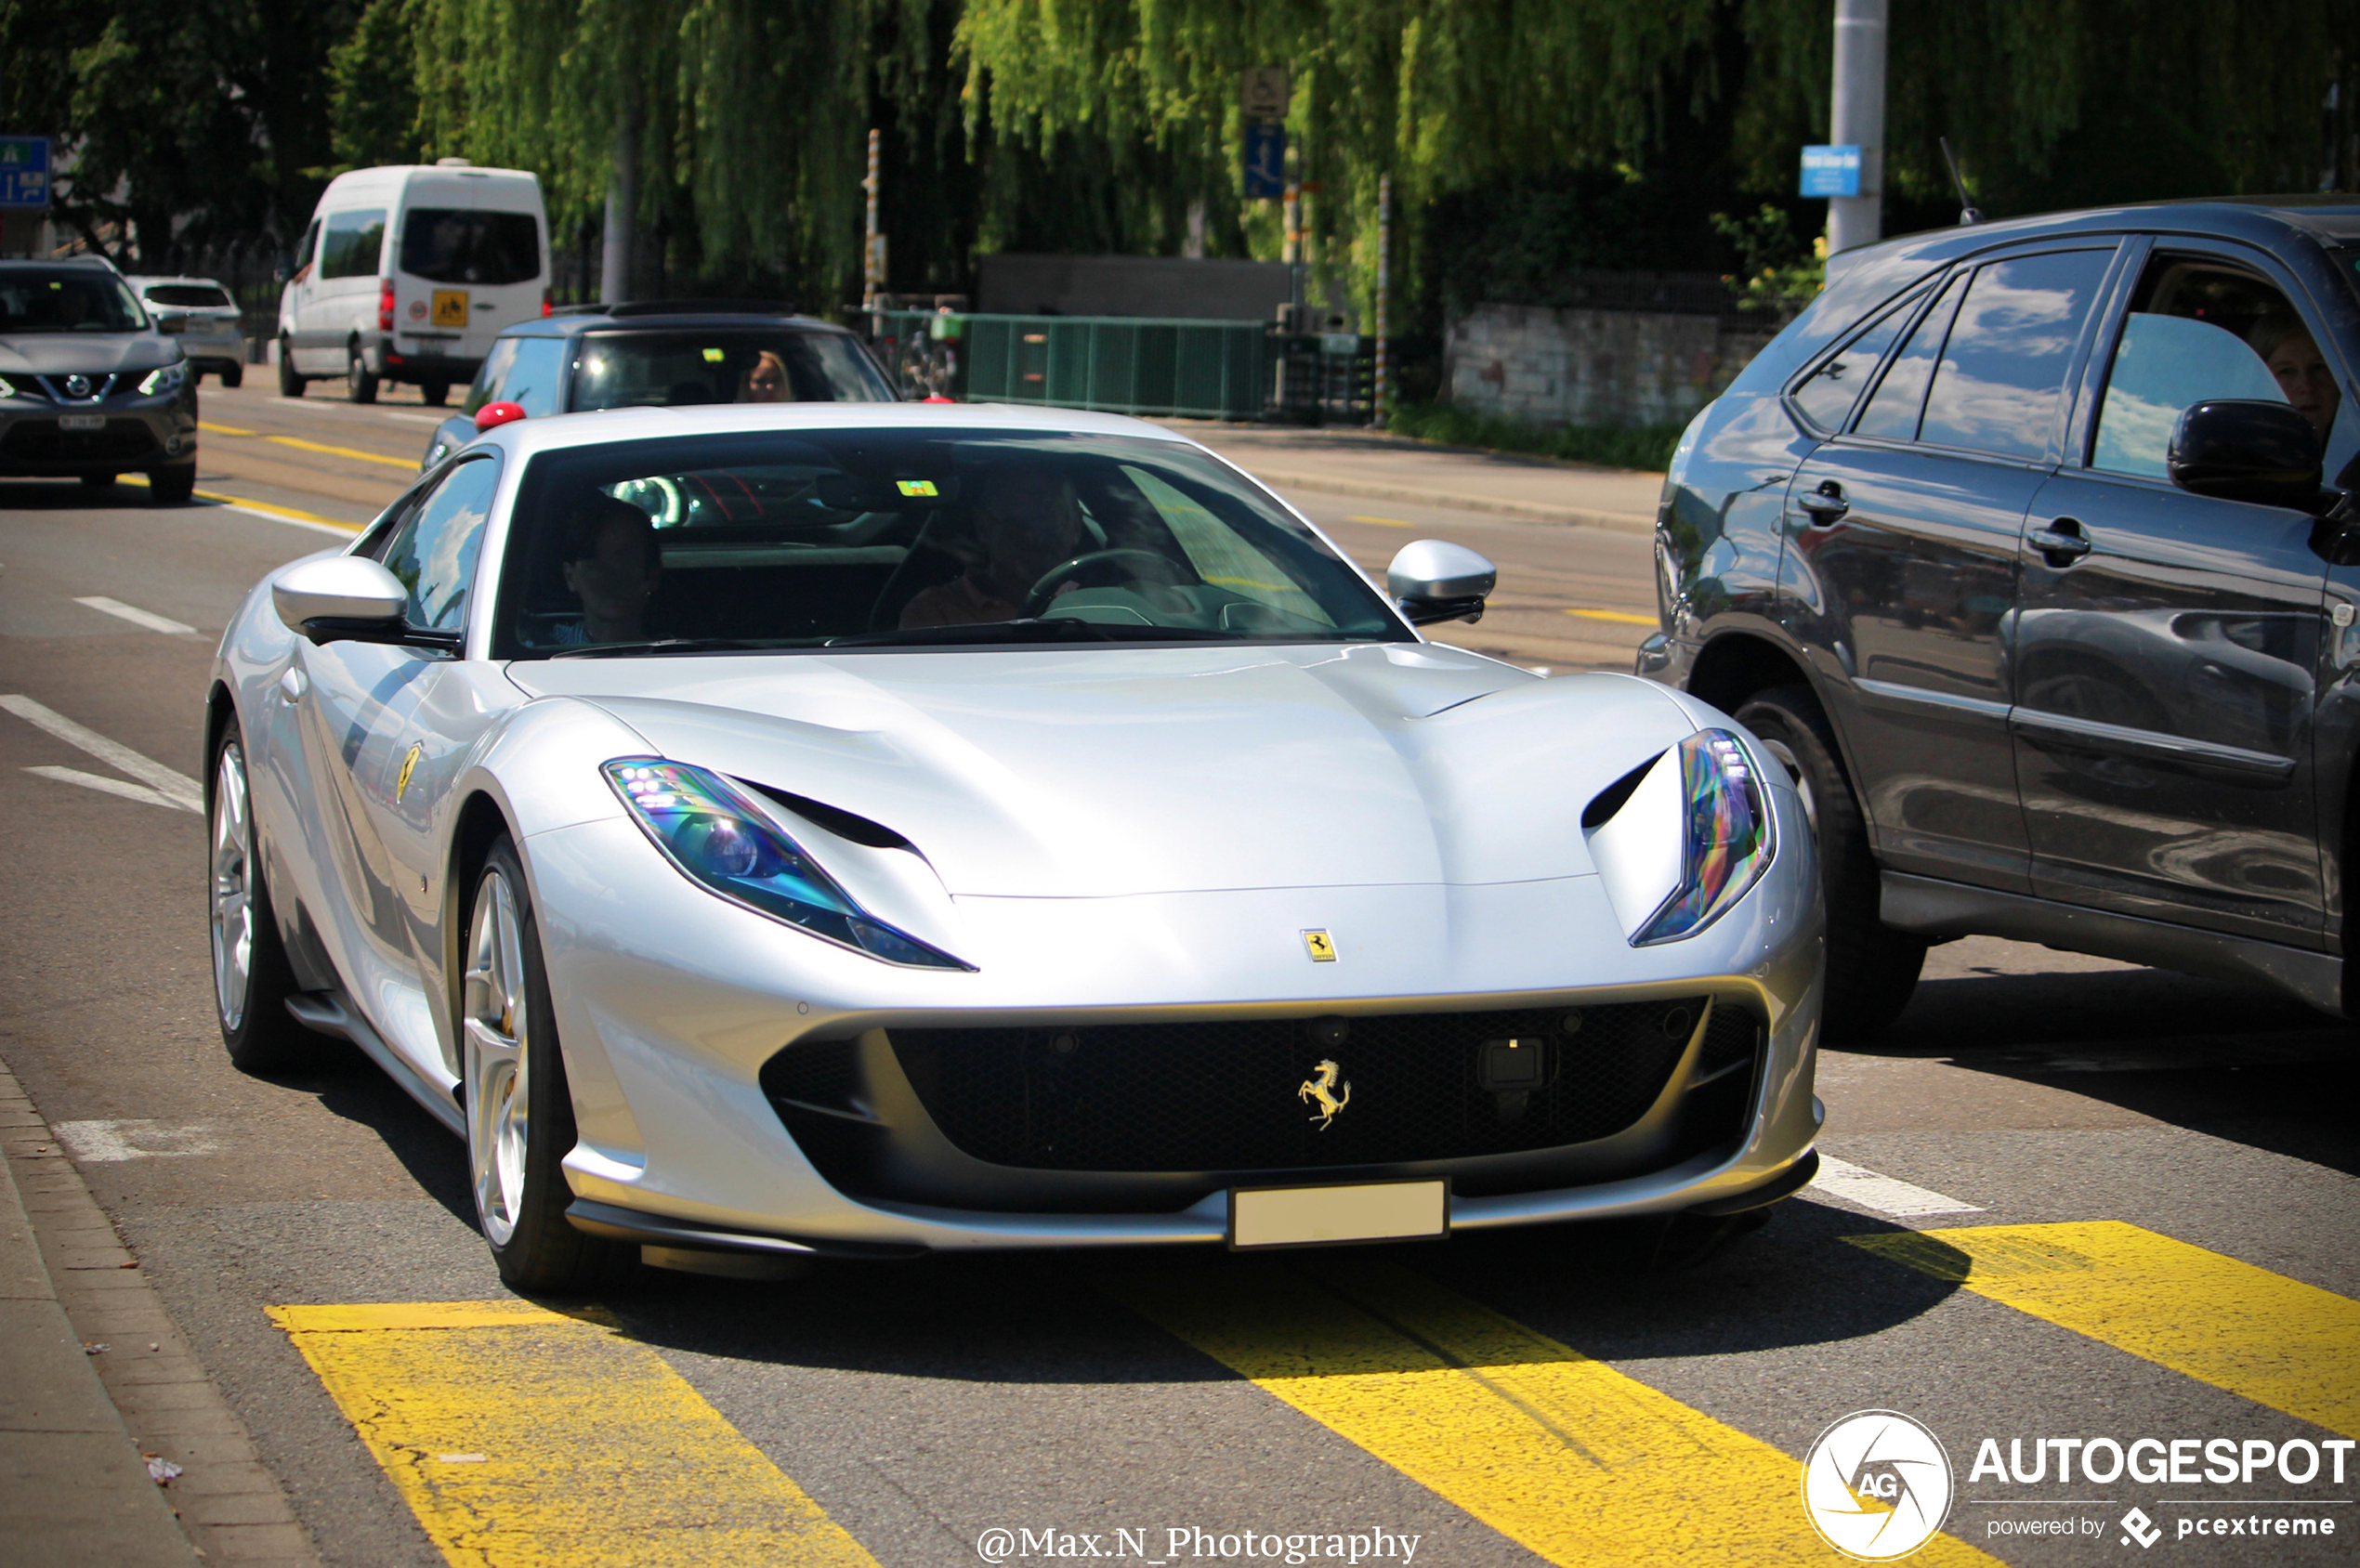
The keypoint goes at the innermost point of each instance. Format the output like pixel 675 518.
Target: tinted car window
pixel 679 369
pixel 1893 410
pixel 197 295
pixel 58 299
pixel 461 245
pixel 533 374
pixel 1829 395
pixel 434 553
pixel 2003 366
pixel 2163 364
pixel 353 243
pixel 493 371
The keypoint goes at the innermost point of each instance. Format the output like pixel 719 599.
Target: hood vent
pixel 842 824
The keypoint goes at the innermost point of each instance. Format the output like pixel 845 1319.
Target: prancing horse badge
pixel 1320 945
pixel 408 766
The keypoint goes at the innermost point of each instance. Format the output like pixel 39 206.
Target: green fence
pixel 1118 364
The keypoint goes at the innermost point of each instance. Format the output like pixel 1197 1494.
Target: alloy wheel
pixel 232 921
pixel 498 1025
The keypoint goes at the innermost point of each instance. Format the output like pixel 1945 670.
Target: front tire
pixel 252 979
pixel 434 394
pixel 359 382
pixel 172 487
pixel 1871 970
pixel 519 1114
pixel 290 384
pixel 231 375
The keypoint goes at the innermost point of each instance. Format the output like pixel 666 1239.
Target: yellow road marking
pixel 2274 1340
pixel 244 505
pixel 1621 616
pixel 1562 1453
pixel 221 429
pixel 1381 522
pixel 524 1439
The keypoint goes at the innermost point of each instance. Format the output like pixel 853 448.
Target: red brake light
pixel 385 305
pixel 494 415
pixel 547 304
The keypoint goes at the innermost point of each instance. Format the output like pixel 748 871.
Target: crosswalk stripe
pixel 2274 1340
pixel 525 1439
pixel 1560 1453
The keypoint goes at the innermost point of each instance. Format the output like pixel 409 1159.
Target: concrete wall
pixel 1132 285
pixel 1620 367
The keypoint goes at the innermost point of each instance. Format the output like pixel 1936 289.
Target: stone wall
pixel 1619 368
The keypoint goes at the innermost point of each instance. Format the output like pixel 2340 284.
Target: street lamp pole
pixel 1383 396
pixel 1858 121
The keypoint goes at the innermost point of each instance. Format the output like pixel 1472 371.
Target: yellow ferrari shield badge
pixel 408 766
pixel 1320 945
pixel 450 307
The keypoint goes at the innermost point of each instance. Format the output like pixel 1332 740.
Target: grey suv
pixel 89 386
pixel 2032 549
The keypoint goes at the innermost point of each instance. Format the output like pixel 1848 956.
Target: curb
pixel 74 1486
pixel 1538 511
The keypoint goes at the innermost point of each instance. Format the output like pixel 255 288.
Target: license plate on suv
pixel 82 422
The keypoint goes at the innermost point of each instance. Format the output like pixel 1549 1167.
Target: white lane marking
pixel 105 786
pixel 137 616
pixel 1855 1184
pixel 178 788
pixel 336 530
pixel 339 410
pixel 103 1142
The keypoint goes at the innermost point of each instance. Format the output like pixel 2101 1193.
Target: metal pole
pixel 869 269
pixel 1858 121
pixel 622 197
pixel 1383 396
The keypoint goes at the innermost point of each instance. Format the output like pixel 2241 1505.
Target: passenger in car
pixel 766 381
pixel 611 562
pixel 1026 520
pixel 2301 369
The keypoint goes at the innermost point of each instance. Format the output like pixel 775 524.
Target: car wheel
pixel 252 979
pixel 434 394
pixel 232 376
pixel 290 384
pixel 98 481
pixel 360 386
pixel 519 1115
pixel 172 487
pixel 1871 970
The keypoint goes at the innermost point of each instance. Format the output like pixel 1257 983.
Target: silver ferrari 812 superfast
pixel 860 831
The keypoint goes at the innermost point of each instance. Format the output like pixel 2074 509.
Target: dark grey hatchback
pixel 2032 549
pixel 88 386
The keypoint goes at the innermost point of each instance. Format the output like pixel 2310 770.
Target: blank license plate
pixel 1312 1216
pixel 82 422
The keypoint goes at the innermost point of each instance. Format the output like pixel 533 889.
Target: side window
pixel 1831 390
pixel 353 244
pixel 533 369
pixel 489 376
pixel 2163 364
pixel 306 253
pixel 2003 367
pixel 1892 409
pixel 434 553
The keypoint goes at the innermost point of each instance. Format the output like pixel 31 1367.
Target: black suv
pixel 664 354
pixel 89 386
pixel 2014 548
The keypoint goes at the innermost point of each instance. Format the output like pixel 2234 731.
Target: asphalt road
pixel 2186 1150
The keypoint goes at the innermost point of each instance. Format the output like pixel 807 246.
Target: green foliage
pixel 1776 272
pixel 373 100
pixel 1646 447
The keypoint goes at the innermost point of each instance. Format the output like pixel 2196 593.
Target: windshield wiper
pixel 669 645
pixel 1053 629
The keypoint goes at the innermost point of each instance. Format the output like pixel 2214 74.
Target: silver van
pixel 408 272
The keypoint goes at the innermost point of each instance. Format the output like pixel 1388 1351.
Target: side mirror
pixel 2263 453
pixel 494 415
pixel 1433 580
pixel 342 598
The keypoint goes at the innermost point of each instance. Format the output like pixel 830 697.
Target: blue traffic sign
pixel 1831 170
pixel 24 172
pixel 1265 160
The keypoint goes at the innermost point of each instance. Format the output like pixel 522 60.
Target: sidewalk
pixel 1386 467
pixel 97 1387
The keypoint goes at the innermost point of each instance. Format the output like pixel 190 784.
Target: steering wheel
pixel 1162 570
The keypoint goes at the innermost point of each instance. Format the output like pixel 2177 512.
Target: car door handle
pixel 2062 542
pixel 1826 503
pixel 294 683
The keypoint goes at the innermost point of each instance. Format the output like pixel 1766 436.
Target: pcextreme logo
pixel 1876 1485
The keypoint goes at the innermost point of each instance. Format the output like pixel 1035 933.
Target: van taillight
pixel 385 305
pixel 547 304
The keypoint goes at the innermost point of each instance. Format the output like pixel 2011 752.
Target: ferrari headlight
pixel 1680 839
pixel 705 825
pixel 163 380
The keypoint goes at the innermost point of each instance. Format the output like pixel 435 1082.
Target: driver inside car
pixel 1028 520
pixel 611 562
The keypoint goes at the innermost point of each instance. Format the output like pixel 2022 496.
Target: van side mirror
pixel 2240 449
pixel 1433 580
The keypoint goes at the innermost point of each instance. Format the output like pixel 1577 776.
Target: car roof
pixel 145 278
pixel 526 438
pixel 101 263
pixel 2328 219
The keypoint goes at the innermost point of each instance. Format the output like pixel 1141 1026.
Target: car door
pixel 384 726
pixel 1902 539
pixel 343 289
pixel 297 294
pixel 2168 644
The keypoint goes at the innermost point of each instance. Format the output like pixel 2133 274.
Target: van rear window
pixel 462 246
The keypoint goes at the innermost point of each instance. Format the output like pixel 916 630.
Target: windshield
pixel 67 300
pixel 755 365
pixel 462 246
pixel 898 538
pixel 189 295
